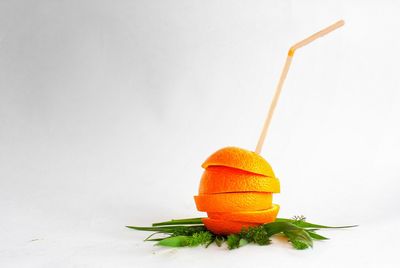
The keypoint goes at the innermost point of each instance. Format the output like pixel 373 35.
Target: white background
pixel 108 108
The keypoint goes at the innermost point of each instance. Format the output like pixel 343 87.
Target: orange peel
pixel 242 159
pixel 221 227
pixel 229 202
pixel 259 216
pixel 219 179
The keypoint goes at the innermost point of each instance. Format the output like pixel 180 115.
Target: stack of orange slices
pixel 236 191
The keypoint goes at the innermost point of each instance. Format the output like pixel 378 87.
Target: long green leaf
pixel 316 236
pixel 179 221
pixel 150 236
pixel 300 239
pixel 173 230
pixel 304 224
pixel 279 227
pixel 152 229
pixel 154 239
pixel 163 228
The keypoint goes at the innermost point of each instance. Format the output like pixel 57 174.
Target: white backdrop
pixel 108 109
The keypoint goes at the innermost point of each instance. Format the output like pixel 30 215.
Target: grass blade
pixel 274 228
pixel 304 224
pixel 151 229
pixel 154 239
pixel 316 236
pixel 179 221
pixel 150 236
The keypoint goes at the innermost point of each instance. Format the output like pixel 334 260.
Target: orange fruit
pixel 219 179
pixel 259 216
pixel 236 191
pixel 240 159
pixel 222 227
pixel 229 202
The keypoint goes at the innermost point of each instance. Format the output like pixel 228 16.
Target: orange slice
pixel 259 216
pixel 241 159
pixel 221 227
pixel 219 179
pixel 230 202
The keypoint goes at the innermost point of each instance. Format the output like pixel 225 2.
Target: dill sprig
pixel 256 235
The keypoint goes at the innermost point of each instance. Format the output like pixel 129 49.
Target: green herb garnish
pixel 191 233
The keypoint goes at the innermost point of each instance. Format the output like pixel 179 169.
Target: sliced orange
pixel 259 216
pixel 219 179
pixel 241 159
pixel 229 202
pixel 222 227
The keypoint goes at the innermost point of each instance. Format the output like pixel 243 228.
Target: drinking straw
pixel 284 73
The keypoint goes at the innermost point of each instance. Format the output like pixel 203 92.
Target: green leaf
pixel 304 224
pixel 243 242
pixel 180 221
pixel 316 236
pixel 211 241
pixel 233 241
pixel 161 229
pixel 299 238
pixel 219 240
pixel 154 239
pixel 200 238
pixel 151 229
pixel 150 236
pixel 175 241
pixel 298 244
pixel 175 230
pixel 279 227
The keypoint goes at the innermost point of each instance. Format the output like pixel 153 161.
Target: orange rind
pixel 221 227
pixel 259 216
pixel 230 202
pixel 219 179
pixel 242 159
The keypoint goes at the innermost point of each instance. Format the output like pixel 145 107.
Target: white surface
pixel 108 108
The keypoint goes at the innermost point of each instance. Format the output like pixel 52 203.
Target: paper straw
pixel 284 73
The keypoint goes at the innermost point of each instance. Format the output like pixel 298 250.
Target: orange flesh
pixel 229 202
pixel 259 216
pixel 219 179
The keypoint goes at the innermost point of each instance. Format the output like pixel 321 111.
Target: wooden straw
pixel 284 73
